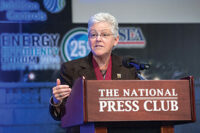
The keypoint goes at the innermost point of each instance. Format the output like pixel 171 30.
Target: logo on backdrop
pixel 21 10
pixel 131 37
pixel 74 44
pixel 28 10
pixel 29 51
pixel 54 6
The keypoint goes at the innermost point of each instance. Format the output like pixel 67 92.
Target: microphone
pixel 130 62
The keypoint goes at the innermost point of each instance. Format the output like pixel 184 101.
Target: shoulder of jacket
pixel 75 61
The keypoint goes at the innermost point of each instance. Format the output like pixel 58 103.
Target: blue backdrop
pixel 37 36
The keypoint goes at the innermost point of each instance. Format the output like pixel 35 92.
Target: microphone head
pixel 144 66
pixel 127 60
pixel 131 62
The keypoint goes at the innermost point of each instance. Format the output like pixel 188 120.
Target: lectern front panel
pixel 138 100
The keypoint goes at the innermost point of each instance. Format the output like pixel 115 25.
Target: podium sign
pixel 138 100
pixel 107 101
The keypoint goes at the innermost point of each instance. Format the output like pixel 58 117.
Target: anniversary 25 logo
pixel 74 44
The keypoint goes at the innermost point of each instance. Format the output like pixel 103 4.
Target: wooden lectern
pixel 97 105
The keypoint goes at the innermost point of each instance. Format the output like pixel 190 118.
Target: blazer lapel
pixel 116 67
pixel 86 68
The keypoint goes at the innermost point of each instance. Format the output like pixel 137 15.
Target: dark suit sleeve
pixel 66 73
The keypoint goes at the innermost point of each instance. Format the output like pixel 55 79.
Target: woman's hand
pixel 60 92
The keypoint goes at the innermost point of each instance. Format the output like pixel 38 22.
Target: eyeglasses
pixel 102 35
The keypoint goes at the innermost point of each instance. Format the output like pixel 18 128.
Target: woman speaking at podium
pixel 100 64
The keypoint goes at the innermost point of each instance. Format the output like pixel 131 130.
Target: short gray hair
pixel 104 17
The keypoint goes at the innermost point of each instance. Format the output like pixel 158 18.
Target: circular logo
pixel 75 44
pixel 54 6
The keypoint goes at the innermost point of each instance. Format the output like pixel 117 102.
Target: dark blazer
pixel 72 70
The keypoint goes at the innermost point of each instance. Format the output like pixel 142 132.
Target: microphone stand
pixel 140 76
pixel 138 68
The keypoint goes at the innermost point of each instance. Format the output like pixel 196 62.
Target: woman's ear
pixel 116 40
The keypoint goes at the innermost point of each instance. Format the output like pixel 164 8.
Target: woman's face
pixel 101 39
